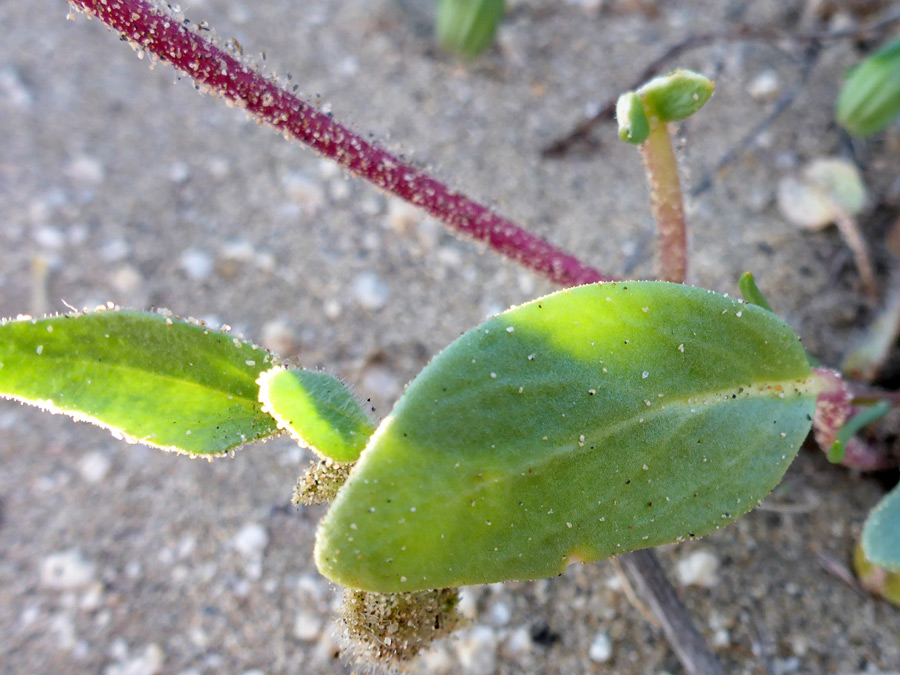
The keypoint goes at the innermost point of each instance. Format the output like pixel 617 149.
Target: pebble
pixel 278 336
pixel 126 279
pixel 468 601
pixel 196 264
pixel 66 571
pixel 601 648
pixel 438 661
pixel 94 467
pixel 179 172
pixel 150 662
pixel 112 250
pixel 499 614
pixel 304 190
pixel 698 569
pixel 86 170
pixel 477 651
pixel 218 166
pixel 370 291
pixel 49 237
pixel 381 382
pixel 251 540
pixel 519 641
pixel 402 216
pixel 307 627
pixel 764 87
pixel 332 308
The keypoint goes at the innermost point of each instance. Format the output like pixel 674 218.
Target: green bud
pixel 676 96
pixel 633 125
pixel 467 27
pixel 870 98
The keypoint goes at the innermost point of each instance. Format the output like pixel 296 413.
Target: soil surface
pixel 120 183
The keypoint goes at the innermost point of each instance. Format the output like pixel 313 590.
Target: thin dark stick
pixel 213 70
pixel 583 129
pixel 650 580
pixel 810 58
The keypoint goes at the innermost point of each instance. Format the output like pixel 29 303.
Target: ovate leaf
pixel 318 410
pixel 591 422
pixel 881 534
pixel 152 379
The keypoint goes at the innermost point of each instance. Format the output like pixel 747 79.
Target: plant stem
pixel 216 71
pixel 650 580
pixel 665 201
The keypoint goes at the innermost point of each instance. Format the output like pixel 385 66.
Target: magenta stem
pixel 213 69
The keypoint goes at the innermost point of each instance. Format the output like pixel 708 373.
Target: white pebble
pixel 114 249
pixel 477 651
pixel 86 170
pixel 402 216
pixel 49 237
pixel 218 166
pixel 149 663
pixel 519 641
pixel 306 191
pixel 64 629
pixel 764 87
pixel 94 467
pixel 307 627
pixel 196 264
pixel 126 279
pixel 370 291
pixel 601 648
pixel 179 172
pixel 500 614
pixel 332 308
pixel 468 601
pixel 251 540
pixel 66 571
pixel 698 569
pixel 278 336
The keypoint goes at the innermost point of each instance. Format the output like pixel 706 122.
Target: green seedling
pixel 467 27
pixel 870 98
pixel 643 120
pixel 604 418
pixel 751 293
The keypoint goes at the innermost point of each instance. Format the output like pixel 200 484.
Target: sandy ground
pixel 129 187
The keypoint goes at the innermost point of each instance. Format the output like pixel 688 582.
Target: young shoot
pixel 643 121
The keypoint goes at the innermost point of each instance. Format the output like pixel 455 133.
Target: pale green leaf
pixel 317 410
pixel 152 379
pixel 588 423
pixel 881 534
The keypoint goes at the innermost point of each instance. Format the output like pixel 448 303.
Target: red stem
pixel 217 71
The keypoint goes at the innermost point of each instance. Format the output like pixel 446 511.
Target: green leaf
pixel 676 96
pixel 751 293
pixel 870 98
pixel 467 27
pixel 853 426
pixel 318 410
pixel 591 422
pixel 881 533
pixel 633 125
pixel 152 379
pixel 876 579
